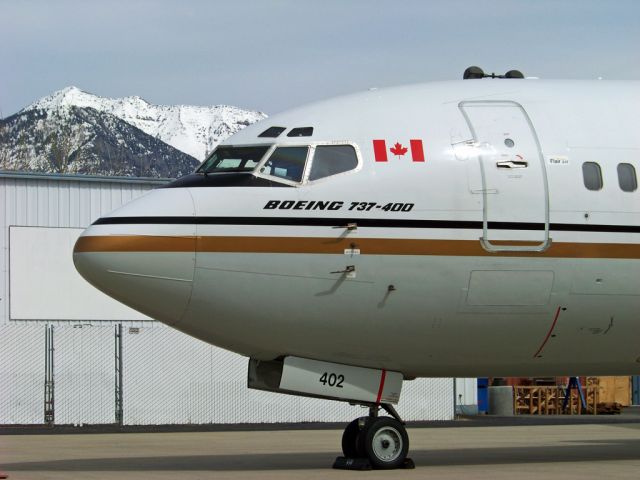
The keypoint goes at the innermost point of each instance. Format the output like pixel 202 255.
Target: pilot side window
pixel 627 177
pixel 233 159
pixel 592 176
pixel 331 160
pixel 287 163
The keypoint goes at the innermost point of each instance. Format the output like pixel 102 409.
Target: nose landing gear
pixel 375 442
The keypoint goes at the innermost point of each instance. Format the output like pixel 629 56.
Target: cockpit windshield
pixel 233 159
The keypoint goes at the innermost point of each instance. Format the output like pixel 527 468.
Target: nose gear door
pixel 515 191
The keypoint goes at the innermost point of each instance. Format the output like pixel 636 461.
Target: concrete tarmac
pixel 574 451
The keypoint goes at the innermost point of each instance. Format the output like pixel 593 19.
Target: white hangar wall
pixel 167 377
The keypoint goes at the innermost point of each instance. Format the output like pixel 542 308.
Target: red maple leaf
pixel 398 149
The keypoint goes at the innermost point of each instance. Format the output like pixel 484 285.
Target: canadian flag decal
pixel 398 149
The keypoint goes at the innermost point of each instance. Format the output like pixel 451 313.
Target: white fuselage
pixel 487 257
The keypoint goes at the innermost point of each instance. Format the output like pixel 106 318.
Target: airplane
pixel 488 227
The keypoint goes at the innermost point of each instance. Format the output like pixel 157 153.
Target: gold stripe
pixel 134 243
pixel 367 246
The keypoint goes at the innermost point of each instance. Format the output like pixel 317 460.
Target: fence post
pixel 49 404
pixel 118 383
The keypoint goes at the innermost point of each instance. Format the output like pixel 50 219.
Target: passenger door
pixel 514 181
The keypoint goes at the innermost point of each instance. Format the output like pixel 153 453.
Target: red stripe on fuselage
pixel 381 388
pixel 546 339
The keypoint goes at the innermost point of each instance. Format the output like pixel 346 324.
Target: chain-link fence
pixel 166 377
pixel 170 377
pixel 22 374
pixel 84 375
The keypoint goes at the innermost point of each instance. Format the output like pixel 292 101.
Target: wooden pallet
pixel 548 400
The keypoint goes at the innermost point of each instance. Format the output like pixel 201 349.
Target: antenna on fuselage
pixel 476 72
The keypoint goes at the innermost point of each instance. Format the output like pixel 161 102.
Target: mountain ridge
pixel 195 130
pixel 73 131
pixel 85 141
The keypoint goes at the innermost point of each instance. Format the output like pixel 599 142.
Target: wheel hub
pixel 387 444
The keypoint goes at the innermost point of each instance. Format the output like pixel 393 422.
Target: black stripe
pixel 361 222
pixel 570 227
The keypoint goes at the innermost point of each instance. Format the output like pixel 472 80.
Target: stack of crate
pixel 603 395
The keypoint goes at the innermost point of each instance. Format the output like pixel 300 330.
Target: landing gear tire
pixel 384 441
pixel 350 440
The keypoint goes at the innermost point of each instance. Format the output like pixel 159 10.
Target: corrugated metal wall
pixel 168 377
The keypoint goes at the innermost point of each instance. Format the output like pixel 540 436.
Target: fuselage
pixel 469 228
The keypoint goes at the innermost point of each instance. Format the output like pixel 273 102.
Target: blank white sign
pixel 44 284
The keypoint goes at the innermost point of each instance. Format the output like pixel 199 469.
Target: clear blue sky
pixel 272 55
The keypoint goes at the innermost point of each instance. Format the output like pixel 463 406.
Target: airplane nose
pixel 141 260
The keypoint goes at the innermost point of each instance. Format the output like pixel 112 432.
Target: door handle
pixel 348 269
pixel 349 226
pixel 513 164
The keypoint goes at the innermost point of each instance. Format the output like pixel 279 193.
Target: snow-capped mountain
pixel 191 129
pixel 83 140
pixel 72 131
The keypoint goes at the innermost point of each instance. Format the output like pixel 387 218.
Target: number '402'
pixel 332 380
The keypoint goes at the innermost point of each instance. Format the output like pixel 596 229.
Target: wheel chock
pixel 408 464
pixel 344 463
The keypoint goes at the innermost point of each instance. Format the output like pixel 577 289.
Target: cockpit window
pixel 300 132
pixel 287 163
pixel 332 159
pixel 272 132
pixel 233 159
